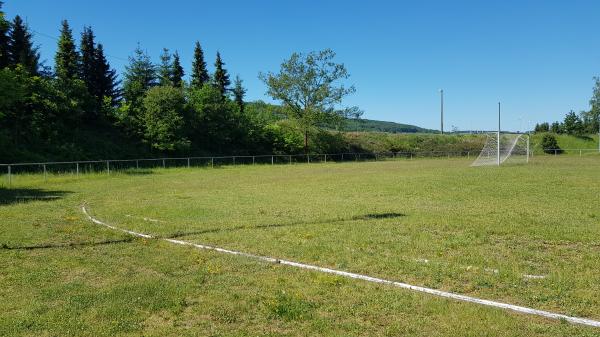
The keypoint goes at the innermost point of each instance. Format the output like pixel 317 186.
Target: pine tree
pixel 21 48
pixel 4 39
pixel 199 73
pixel 165 71
pixel 88 55
pixel 67 57
pixel 177 71
pixel 221 78
pixel 140 75
pixel 238 93
pixel 107 83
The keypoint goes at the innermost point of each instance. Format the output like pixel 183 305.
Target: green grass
pixel 473 143
pixel 568 142
pixel 64 276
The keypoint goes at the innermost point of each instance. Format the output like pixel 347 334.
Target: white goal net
pixel 512 148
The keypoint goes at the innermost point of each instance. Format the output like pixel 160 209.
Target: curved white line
pixel 440 293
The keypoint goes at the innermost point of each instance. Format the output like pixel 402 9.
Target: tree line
pixel 82 109
pixel 586 122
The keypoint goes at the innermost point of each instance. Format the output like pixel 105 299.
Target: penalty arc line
pixel 435 292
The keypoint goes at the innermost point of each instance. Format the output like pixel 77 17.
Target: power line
pixel 56 39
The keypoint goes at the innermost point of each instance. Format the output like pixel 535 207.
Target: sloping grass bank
pixel 384 142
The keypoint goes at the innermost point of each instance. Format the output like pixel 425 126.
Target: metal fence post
pixel 137 164
pixel 580 153
pixel 325 158
pixel 272 161
pixel 253 160
pixel 342 157
pixel 9 176
pixel 308 158
pixel 212 161
pixel 107 167
pixel 290 160
pixel 164 166
pixel 188 160
pixel 233 160
pixel 45 174
pixel 555 152
pixel 77 168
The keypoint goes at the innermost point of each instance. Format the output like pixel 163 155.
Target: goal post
pixel 500 148
pixel 504 148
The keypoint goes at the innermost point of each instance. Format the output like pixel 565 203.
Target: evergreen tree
pixel 4 39
pixel 572 124
pixel 556 127
pixel 107 83
pixel 199 73
pixel 67 57
pixel 21 48
pixel 88 60
pixel 177 71
pixel 165 70
pixel 140 75
pixel 238 93
pixel 221 78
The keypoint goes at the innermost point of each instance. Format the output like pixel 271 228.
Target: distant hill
pixel 382 126
pixel 268 111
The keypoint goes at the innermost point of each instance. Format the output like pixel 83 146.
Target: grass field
pixel 525 235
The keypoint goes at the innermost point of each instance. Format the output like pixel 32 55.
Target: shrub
pixel 549 144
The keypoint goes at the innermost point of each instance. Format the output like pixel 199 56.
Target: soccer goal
pixel 503 148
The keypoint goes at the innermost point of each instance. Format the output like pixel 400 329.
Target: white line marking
pixel 534 276
pixel 145 219
pixel 440 293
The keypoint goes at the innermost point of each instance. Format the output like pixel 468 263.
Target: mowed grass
pixel 523 234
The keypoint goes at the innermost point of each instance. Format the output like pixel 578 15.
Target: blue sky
pixel 536 57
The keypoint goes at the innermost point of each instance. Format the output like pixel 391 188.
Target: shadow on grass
pixel 21 195
pixel 370 216
pixel 378 216
pixel 65 245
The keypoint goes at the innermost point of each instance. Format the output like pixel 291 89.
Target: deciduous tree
pixel 163 118
pixel 309 86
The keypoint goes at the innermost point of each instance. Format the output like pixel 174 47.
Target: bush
pixel 549 144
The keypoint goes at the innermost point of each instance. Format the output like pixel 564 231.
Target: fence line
pixel 111 165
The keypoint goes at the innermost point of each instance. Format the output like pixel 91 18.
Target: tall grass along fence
pixel 46 169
